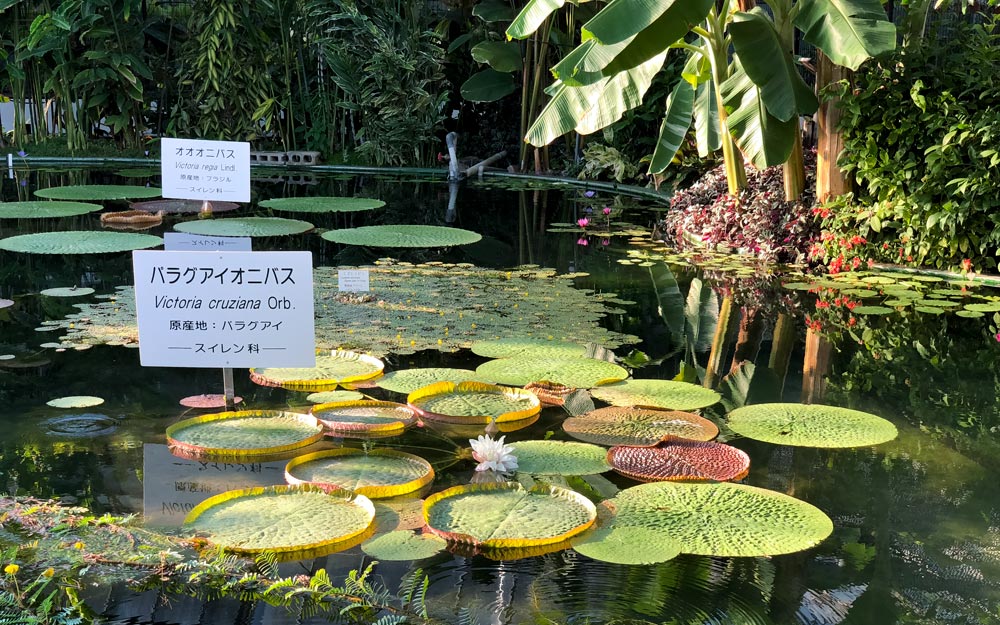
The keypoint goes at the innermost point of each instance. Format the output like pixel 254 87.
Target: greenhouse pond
pixel 915 520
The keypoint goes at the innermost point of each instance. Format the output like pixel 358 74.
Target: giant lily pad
pixel 559 458
pixel 616 425
pixel 537 348
pixel 41 210
pixel 812 425
pixel 626 545
pixel 659 393
pixel 340 367
pixel 75 401
pixel 722 519
pixel 409 380
pixel 678 459
pixel 402 236
pixel 376 473
pixel 326 397
pixel 570 371
pixel 79 242
pixel 322 204
pixel 473 402
pixel 364 416
pixel 506 515
pixel 403 545
pixel 282 518
pixel 244 433
pixel 172 206
pixel 67 291
pixel 245 227
pixel 98 192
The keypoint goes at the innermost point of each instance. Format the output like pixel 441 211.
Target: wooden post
pixel 830 181
pixel 815 366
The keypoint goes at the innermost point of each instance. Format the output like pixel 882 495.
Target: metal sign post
pixel 227 388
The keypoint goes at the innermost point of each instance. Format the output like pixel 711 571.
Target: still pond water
pixel 917 520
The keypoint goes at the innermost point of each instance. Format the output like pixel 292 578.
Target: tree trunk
pixel 830 181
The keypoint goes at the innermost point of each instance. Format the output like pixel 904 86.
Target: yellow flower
pixel 49 572
pixel 11 569
pixel 78 545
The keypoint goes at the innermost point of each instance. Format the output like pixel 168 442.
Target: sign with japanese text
pixel 353 280
pixel 195 169
pixel 181 241
pixel 224 309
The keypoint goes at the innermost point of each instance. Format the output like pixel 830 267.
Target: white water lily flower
pixel 493 455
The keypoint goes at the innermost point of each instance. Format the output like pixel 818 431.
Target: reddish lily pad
pixel 680 460
pixel 208 401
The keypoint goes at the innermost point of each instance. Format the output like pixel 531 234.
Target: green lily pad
pixel 559 458
pixel 984 307
pixel 878 280
pixel 569 371
pixel 812 425
pixel 75 401
pixel 506 515
pixel 67 291
pixel 79 242
pixel 860 293
pixel 325 397
pixel 722 519
pixel 898 302
pixel 473 402
pixel 872 310
pixel 617 425
pixel 45 209
pixel 322 204
pixel 533 348
pixel 969 314
pixel 364 417
pixel 938 303
pixel 929 310
pixel 281 518
pixel 404 546
pixel 627 545
pixel 340 367
pixel 402 236
pixel 408 380
pixel 244 433
pixel 98 192
pixel 375 474
pixel 245 227
pixel 660 393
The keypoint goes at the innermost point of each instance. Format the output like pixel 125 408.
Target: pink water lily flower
pixel 583 223
pixel 607 210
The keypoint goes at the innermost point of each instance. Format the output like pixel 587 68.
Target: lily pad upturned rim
pixel 582 427
pixel 190 449
pixel 45 209
pixel 573 371
pixel 421 236
pixel 245 227
pixel 408 380
pixel 98 192
pixel 322 204
pixel 270 376
pixel 656 393
pixel 373 492
pixel 502 543
pixel 79 242
pixel 438 389
pixel 811 425
pixel 736 461
pixel 364 503
pixel 177 206
pixel 75 401
pixel 345 427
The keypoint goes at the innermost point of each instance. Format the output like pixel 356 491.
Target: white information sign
pixel 182 241
pixel 352 280
pixel 194 169
pixel 224 309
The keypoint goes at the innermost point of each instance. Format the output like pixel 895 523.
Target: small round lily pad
pixel 404 545
pixel 810 425
pixel 45 209
pixel 208 401
pixel 402 236
pixel 322 204
pixel 570 371
pixel 245 227
pixel 626 545
pixel 98 192
pixel 559 458
pixel 376 473
pixel 408 380
pixel 79 242
pixel 325 397
pixel 660 393
pixel 75 401
pixel 67 291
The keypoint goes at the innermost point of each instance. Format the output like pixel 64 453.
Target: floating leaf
pixel 540 348
pixel 244 433
pixel 559 458
pixel 408 380
pixel 402 236
pixel 506 515
pixel 659 393
pixel 322 204
pixel 872 310
pixel 67 291
pixel 281 518
pixel 45 209
pixel 325 397
pixel 678 459
pixel 722 519
pixel 79 242
pixel 376 473
pixel 364 416
pixel 626 545
pixel 207 401
pixel 569 371
pixel 183 206
pixel 75 401
pixel 98 192
pixel 638 426
pixel 983 308
pixel 810 425
pixel 245 227
pixel 473 402
pixel 340 367
pixel 403 546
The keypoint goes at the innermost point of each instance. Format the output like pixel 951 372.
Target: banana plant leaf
pixel 532 16
pixel 763 138
pixel 670 27
pixel 847 31
pixel 701 315
pixel 680 107
pixel 500 55
pixel 493 11
pixel 671 302
pixel 626 18
pixel 583 65
pixel 707 134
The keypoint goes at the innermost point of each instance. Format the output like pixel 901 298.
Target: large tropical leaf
pixel 622 19
pixel 670 300
pixel 676 122
pixel 707 134
pixel 592 107
pixel 671 27
pixel 583 65
pixel 500 55
pixel 848 31
pixel 763 138
pixel 488 85
pixel 770 66
pixel 531 17
pixel 701 315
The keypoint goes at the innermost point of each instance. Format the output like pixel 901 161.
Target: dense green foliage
pixel 920 135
